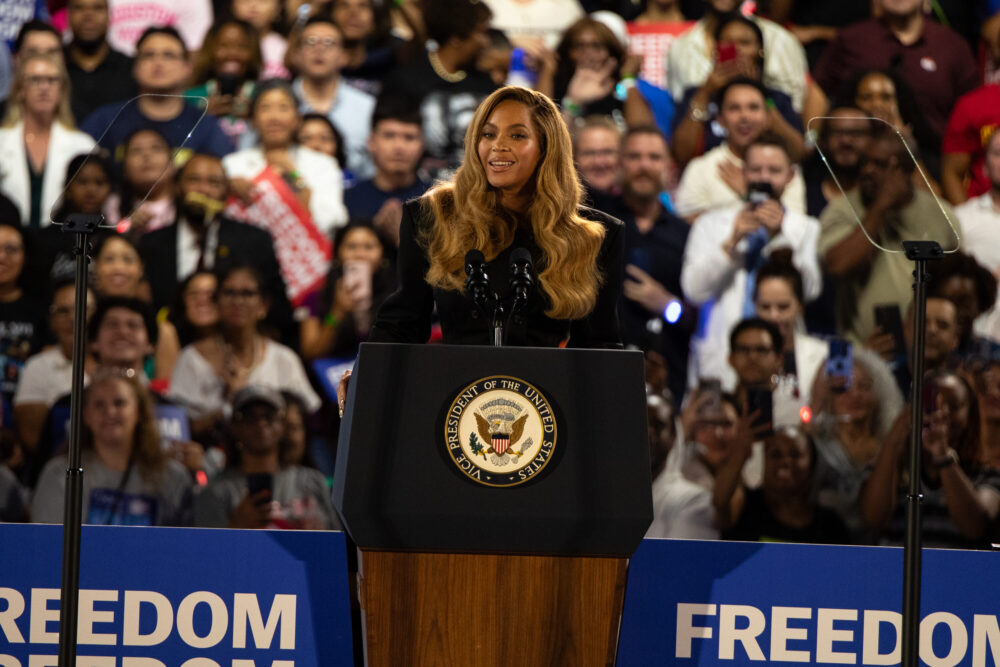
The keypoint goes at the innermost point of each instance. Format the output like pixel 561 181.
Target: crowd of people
pixel 251 162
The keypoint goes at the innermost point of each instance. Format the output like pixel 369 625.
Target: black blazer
pixel 405 317
pixel 238 243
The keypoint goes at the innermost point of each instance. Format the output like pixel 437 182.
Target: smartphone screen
pixel 761 401
pixel 711 387
pixel 358 280
pixel 888 318
pixel 260 481
pixel 758 193
pixel 840 363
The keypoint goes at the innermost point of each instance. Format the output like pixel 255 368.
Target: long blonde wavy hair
pixel 15 101
pixel 467 213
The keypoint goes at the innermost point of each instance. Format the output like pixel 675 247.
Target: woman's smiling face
pixel 509 148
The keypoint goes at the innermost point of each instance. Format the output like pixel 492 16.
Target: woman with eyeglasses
pixel 38 138
pixel 210 371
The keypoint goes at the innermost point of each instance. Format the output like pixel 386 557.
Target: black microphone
pixel 521 278
pixel 476 281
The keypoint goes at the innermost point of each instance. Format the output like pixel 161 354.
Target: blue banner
pixel 172 597
pixel 733 603
pixel 329 371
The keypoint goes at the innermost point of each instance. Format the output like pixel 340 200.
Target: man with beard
pixel 98 73
pixel 202 239
pixel 891 211
pixel 692 56
pixel 161 71
pixel 728 246
pixel 842 140
pixel 445 83
pixel 653 315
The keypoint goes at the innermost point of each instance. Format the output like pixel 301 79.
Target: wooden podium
pixel 459 567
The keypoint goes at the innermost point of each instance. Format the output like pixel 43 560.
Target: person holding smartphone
pixel 256 490
pixel 739 53
pixel 727 247
pixel 359 280
pixel 960 496
pixel 225 71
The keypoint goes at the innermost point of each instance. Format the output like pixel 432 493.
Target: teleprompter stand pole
pixel 919 252
pixel 82 226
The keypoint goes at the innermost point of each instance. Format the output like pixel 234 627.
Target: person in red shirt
pixel 972 123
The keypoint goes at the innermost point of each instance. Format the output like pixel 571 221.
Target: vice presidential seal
pixel 500 431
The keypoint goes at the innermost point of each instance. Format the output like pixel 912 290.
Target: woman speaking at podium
pixel 517 188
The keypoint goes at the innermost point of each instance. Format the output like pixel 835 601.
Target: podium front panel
pixel 398 486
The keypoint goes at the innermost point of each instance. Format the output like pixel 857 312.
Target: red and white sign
pixel 303 252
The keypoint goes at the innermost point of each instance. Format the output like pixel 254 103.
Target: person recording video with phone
pixel 257 490
pixel 891 210
pixel 960 496
pixel 726 248
pixel 517 188
pixel 358 283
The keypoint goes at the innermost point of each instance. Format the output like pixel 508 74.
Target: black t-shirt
pixel 22 332
pixel 758 524
pixel 379 63
pixel 446 108
pixel 108 82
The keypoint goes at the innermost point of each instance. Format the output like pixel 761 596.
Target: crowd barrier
pixel 207 598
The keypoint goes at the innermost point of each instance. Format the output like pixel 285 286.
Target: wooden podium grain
pixel 457 573
pixel 490 610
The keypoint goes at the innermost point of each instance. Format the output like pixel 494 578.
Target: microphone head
pixel 520 257
pixel 473 258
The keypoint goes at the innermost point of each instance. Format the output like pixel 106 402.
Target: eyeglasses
pixel 28 53
pixel 747 350
pixel 244 294
pixel 320 42
pixel 170 56
pixel 38 80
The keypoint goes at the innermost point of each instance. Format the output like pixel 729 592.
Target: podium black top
pixel 405 317
pixel 402 480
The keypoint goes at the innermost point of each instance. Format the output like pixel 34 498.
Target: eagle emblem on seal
pixel 502 432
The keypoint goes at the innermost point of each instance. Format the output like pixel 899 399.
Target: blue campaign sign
pixel 172 422
pixel 175 597
pixel 329 371
pixel 733 603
